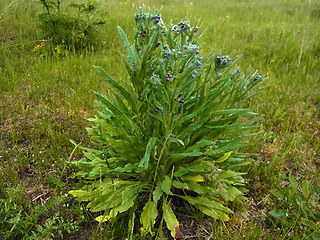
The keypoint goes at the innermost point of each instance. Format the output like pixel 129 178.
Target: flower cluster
pixel 191 49
pixel 222 61
pixel 257 78
pixel 169 77
pixel 166 52
pixel 182 27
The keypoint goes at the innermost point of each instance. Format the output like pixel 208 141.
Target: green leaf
pixel 126 44
pixel 145 160
pixel 57 182
pixel 192 186
pixel 132 216
pixel 257 232
pixel 278 213
pixel 308 223
pixel 213 213
pixel 207 202
pixel 82 195
pixel 277 194
pixel 223 158
pixel 166 185
pixel 102 218
pixel 179 156
pixel 148 216
pixel 210 207
pixel 176 140
pixel 157 193
pixel 123 207
pixel 170 218
pixel 294 184
pixel 114 83
pixel 305 189
pixel 194 178
pixel 228 174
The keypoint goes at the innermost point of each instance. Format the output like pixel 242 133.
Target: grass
pixel 45 100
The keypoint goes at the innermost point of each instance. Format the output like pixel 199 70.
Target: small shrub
pixel 72 30
pixel 173 131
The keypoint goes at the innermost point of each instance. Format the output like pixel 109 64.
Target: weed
pixel 174 132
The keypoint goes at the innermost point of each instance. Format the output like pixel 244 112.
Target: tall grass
pixel 45 100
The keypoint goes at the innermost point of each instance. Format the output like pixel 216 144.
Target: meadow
pixel 45 100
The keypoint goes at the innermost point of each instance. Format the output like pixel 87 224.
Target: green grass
pixel 45 100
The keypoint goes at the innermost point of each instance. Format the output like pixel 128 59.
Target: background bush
pixel 73 30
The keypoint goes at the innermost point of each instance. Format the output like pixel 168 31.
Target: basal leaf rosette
pixel 173 130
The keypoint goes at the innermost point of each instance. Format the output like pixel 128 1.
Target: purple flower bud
pixel 156 19
pixel 181 102
pixel 158 44
pixel 138 18
pixel 158 109
pixel 218 60
pixel 139 49
pixel 195 74
pixel 143 34
pixel 169 77
pixel 139 98
pixel 183 26
pixel 172 136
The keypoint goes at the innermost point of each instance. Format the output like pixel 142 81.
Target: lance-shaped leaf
pixel 145 160
pixel 115 84
pixel 211 207
pixel 170 218
pixel 148 216
pixel 126 44
pixel 166 185
pixel 223 158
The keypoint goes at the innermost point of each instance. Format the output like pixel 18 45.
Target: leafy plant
pixel 71 30
pixel 20 219
pixel 297 208
pixel 173 131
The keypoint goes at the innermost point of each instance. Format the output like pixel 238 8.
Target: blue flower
pixel 169 77
pixel 155 19
pixel 138 18
pixel 158 109
pixel 181 101
pixel 257 77
pixel 222 61
pixel 143 34
pixel 195 74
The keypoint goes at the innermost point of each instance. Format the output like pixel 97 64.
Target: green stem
pixel 158 162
